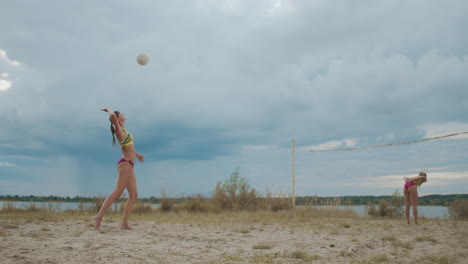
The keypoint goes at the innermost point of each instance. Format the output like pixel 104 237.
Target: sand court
pixel 235 240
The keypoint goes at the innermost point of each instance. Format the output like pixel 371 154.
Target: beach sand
pixel 354 240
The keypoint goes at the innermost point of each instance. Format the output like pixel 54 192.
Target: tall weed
pixel 458 210
pixel 388 208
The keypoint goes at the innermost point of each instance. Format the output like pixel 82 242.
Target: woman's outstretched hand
pixel 106 110
pixel 140 157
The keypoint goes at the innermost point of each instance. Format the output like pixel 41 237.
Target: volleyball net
pixel 349 170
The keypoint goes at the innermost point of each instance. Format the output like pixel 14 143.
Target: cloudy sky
pixel 230 84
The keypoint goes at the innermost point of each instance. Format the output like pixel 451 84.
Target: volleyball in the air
pixel 142 59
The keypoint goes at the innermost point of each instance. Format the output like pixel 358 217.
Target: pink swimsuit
pixel 124 160
pixel 409 184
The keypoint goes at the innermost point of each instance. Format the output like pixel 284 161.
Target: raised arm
pixel 112 117
pixel 115 121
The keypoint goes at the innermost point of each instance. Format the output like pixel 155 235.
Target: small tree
pixel 235 193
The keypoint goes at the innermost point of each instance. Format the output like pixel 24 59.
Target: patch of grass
pixel 327 212
pixel 36 235
pixel 8 206
pixel 300 254
pixel 387 226
pixel 263 245
pixel 98 201
pixel 142 208
pixel 391 208
pixel 301 216
pixel 390 238
pixel 8 225
pixel 458 210
pixel 405 245
pixel 229 257
pixel 45 228
pixel 397 243
pixel 264 258
pixel 32 207
pixel 380 258
pixel 166 204
pixel 426 238
pixel 242 231
pixel 438 259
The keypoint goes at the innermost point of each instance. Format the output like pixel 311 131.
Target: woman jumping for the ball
pixel 410 191
pixel 125 177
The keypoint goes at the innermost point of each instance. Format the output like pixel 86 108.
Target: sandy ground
pixel 320 241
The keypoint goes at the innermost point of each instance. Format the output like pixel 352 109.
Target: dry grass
pixel 444 259
pixel 144 212
pixel 392 238
pixel 300 254
pixel 263 245
pixel 376 259
pixel 259 258
pixel 242 231
pixel 45 228
pixel 458 210
pixel 426 238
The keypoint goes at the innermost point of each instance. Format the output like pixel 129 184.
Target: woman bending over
pixel 410 190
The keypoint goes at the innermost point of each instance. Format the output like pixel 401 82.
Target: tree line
pixel 434 199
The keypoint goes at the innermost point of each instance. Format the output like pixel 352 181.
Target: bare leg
pixel 408 204
pixel 413 190
pixel 119 188
pixel 132 197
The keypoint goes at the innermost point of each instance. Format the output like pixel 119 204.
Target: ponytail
pixel 113 132
pixel 112 128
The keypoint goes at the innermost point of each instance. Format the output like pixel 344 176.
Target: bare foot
pixel 97 222
pixel 126 227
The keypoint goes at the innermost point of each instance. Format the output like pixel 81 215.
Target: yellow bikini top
pixel 128 140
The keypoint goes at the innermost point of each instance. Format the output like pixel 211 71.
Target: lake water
pixel 426 211
pixel 57 206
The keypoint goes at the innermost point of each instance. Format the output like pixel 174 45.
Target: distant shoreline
pixel 433 199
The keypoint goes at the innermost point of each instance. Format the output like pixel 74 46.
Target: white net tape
pixel 392 144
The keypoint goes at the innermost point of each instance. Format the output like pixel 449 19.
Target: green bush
pixel 235 193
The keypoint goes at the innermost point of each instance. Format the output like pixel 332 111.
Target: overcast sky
pixel 230 84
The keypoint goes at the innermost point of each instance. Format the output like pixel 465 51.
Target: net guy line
pixel 392 144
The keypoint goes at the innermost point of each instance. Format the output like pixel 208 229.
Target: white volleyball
pixel 142 58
